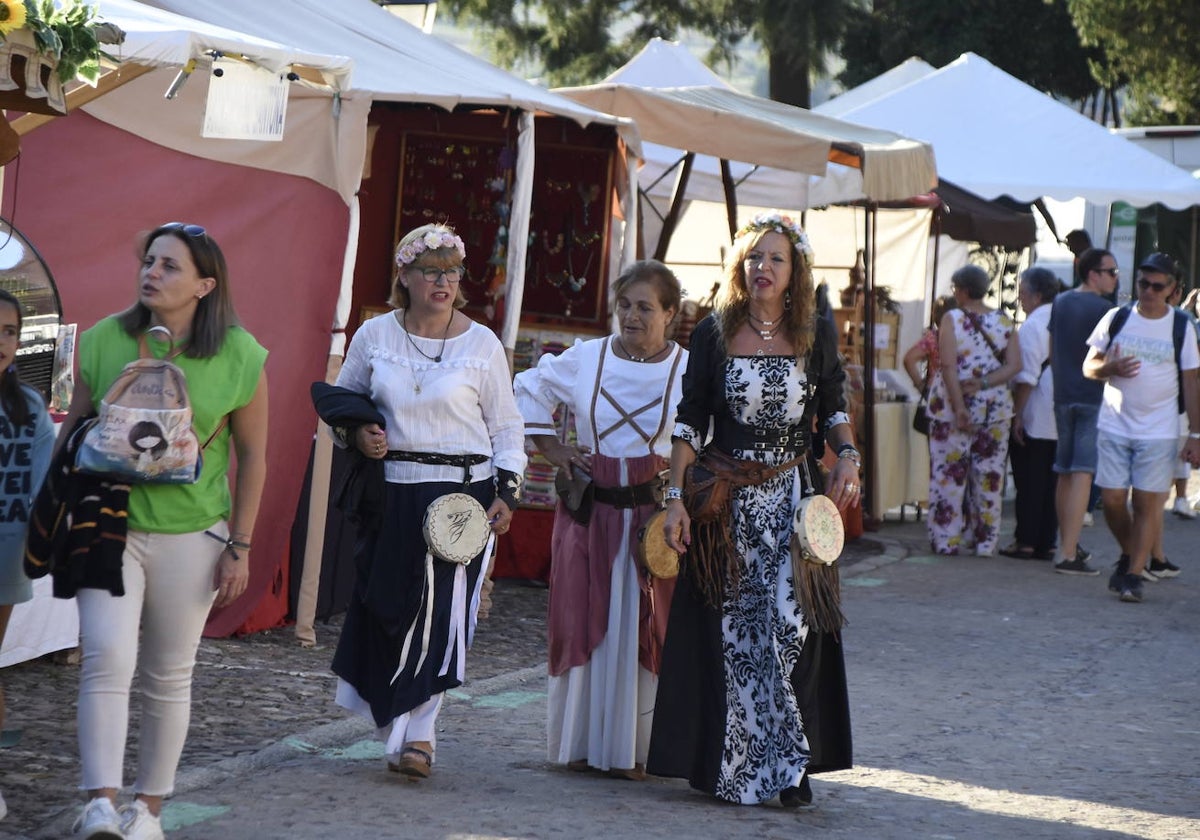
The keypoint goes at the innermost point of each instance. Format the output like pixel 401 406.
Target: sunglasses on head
pixel 1144 284
pixel 194 231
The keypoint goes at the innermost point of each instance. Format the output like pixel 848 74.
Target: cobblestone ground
pixel 249 693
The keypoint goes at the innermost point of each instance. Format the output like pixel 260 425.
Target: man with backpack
pixel 1146 354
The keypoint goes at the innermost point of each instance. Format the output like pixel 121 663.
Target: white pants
pixel 168 593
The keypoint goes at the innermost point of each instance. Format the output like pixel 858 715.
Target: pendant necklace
pixel 643 359
pixel 767 330
pixel 419 379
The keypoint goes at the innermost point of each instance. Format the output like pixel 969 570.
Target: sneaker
pixel 1075 566
pixel 1183 510
pixel 1088 520
pixel 1131 589
pixel 138 823
pixel 1162 568
pixel 1082 554
pixel 1148 575
pixel 98 821
pixel 1118 576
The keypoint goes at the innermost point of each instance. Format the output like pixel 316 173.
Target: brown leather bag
pixel 708 483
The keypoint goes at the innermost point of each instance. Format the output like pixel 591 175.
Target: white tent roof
pixel 681 104
pixel 393 61
pixel 995 135
pixel 161 38
pixel 902 74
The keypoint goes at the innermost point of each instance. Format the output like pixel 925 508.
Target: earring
pixel 787 299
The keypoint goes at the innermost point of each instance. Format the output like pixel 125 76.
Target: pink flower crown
pixel 777 222
pixel 431 241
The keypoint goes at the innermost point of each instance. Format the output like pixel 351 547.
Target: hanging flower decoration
pixel 12 15
pixel 778 222
pixel 69 34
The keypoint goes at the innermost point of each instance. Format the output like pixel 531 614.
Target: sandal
pixel 414 762
pixel 797 797
pixel 1020 552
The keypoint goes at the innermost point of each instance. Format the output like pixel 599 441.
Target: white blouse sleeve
pixel 355 374
pixel 500 415
pixel 540 389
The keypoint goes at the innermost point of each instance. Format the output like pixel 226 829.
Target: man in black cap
pixel 1147 356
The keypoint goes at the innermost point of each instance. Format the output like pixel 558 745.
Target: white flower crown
pixel 431 241
pixel 778 222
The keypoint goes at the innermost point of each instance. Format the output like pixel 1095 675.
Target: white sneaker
pixel 1088 522
pixel 139 824
pixel 98 821
pixel 1183 509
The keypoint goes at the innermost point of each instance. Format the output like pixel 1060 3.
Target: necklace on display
pixel 633 358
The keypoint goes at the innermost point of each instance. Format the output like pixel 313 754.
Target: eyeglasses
pixel 432 275
pixel 194 231
pixel 1144 284
pixel 1111 272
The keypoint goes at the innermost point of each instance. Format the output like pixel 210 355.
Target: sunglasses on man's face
pixel 1144 284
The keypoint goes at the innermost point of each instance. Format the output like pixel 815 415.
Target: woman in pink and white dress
pixel 608 616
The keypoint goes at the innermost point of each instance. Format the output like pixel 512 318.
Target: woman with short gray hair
pixel 970 410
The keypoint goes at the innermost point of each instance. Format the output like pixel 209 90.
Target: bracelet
pixel 983 379
pixel 674 493
pixel 1194 435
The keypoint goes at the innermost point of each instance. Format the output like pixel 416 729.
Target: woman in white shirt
pixel 607 615
pixel 1034 434
pixel 441 382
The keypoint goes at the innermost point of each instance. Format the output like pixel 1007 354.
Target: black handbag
pixel 920 422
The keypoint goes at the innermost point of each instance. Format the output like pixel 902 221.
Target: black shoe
pixel 1082 555
pixel 1118 576
pixel 1075 566
pixel 1163 568
pixel 1131 589
pixel 797 797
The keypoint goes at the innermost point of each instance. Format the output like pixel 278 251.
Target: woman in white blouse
pixel 607 616
pixel 441 382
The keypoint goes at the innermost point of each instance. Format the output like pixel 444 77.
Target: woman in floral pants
pixel 970 409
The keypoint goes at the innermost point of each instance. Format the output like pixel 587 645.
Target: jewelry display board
pixel 467 181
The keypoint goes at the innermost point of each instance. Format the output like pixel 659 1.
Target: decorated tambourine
pixel 819 531
pixel 658 558
pixel 456 528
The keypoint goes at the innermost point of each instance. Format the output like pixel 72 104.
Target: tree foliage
pixel 1155 44
pixel 1034 40
pixel 581 41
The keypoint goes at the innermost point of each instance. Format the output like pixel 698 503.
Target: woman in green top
pixel 188 545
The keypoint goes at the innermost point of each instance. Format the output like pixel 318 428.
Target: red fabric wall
pixel 81 192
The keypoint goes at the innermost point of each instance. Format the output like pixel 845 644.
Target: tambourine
pixel 819 531
pixel 455 528
pixel 658 558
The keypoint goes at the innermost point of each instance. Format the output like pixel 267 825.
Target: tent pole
pixel 937 256
pixel 672 219
pixel 1192 261
pixel 869 233
pixel 730 197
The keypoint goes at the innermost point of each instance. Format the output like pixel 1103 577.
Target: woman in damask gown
pixel 752 694
pixel 608 616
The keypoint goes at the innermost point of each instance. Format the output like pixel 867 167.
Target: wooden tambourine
pixel 819 530
pixel 455 528
pixel 659 559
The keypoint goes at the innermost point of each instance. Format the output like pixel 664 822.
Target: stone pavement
pixel 991 698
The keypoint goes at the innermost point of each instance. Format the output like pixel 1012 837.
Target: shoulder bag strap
pixel 978 324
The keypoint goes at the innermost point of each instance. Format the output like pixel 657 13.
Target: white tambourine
pixel 456 528
pixel 819 530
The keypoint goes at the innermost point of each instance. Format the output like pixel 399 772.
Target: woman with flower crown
pixel 752 691
pixel 441 384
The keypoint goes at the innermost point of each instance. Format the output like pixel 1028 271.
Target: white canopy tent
pixel 996 135
pixel 396 62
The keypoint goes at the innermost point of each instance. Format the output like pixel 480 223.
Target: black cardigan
pixel 704 400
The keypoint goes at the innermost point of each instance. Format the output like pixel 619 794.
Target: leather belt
pixel 731 435
pixel 439 459
pixel 647 493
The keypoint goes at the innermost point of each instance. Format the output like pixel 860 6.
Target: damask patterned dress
pixel 966 467
pixel 744 687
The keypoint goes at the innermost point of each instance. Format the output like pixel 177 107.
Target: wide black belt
pixel 628 497
pixel 730 435
pixel 439 459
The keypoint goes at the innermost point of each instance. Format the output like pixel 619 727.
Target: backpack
pixel 143 431
pixel 1178 330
